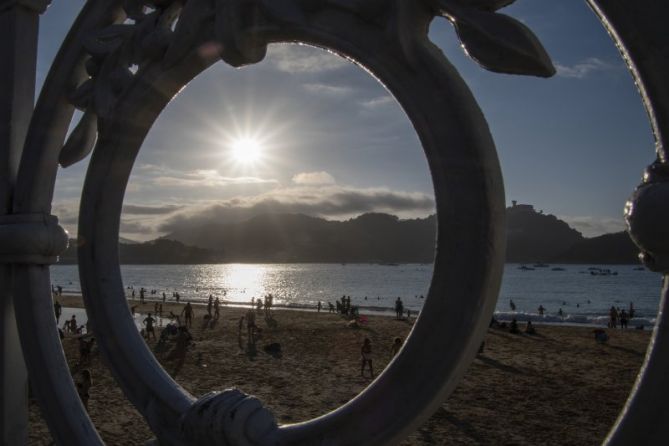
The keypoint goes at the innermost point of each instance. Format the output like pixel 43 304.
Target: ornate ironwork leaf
pixel 194 15
pixel 81 141
pixel 502 44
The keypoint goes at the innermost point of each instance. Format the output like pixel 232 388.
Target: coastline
pixel 558 387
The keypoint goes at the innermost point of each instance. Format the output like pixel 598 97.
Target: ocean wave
pixel 576 319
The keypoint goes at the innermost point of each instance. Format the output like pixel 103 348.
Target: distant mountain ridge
pixel 369 238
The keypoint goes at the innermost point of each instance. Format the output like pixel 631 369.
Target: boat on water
pixel 525 268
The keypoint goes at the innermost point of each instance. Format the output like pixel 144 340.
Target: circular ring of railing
pixel 469 252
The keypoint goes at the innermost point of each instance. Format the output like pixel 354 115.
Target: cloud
pixel 595 226
pixel 378 102
pixel 583 69
pixel 327 90
pixel 132 209
pixel 313 178
pixel 304 59
pixel 162 176
pixel 327 201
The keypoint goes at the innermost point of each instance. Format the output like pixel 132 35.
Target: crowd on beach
pixel 175 338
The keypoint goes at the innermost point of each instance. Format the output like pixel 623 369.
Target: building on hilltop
pixel 521 207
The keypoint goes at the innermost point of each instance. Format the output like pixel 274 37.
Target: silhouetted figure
pixel 58 310
pixel 319 306
pixel 600 335
pixel 180 349
pixel 177 296
pixel 632 311
pixel 399 308
pixel 623 319
pixel 164 297
pixel 251 327
pixel 148 322
pixel 541 310
pixel 513 327
pixel 217 308
pixel 187 313
pixel 561 313
pixel 210 304
pixel 142 291
pixel 366 357
pixel 613 317
pixel 331 308
pixel 397 345
pixel 529 329
pixel 85 348
pixel 512 305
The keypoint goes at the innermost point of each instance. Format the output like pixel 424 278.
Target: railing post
pixel 19 21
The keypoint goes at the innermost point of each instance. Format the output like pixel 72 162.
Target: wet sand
pixel 556 388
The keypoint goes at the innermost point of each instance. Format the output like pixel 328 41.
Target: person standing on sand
pixel 366 357
pixel 217 308
pixel 58 310
pixel 148 321
pixel 187 312
pixel 142 291
pixel 210 304
pixel 397 345
pixel 623 319
pixel 399 309
pixel 541 310
pixel 319 306
pixel 164 297
pixel 512 305
pixel 251 326
pixel 613 317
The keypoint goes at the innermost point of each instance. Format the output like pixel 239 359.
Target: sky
pixel 333 143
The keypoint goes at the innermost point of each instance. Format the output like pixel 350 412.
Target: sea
pixel 584 293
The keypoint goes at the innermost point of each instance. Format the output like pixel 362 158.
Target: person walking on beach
pixel 187 313
pixel 399 309
pixel 217 308
pixel 148 321
pixel 366 357
pixel 58 310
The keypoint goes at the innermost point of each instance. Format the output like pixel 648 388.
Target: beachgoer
pixel 331 308
pixel 85 348
pixel 210 304
pixel 632 311
pixel 217 308
pixel 84 387
pixel 60 290
pixel 512 305
pixel 177 296
pixel 258 305
pixel 187 312
pixel 142 291
pixel 529 329
pixel 148 321
pixel 251 327
pixel 399 308
pixel 164 297
pixel 513 327
pixel 613 317
pixel 73 324
pixel 180 349
pixel 319 306
pixel 133 294
pixel 366 357
pixel 58 310
pixel 541 310
pixel 623 319
pixel 561 313
pixel 397 345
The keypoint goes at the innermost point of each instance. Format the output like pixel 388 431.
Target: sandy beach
pixel 556 388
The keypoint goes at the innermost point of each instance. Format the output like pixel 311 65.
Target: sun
pixel 246 150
